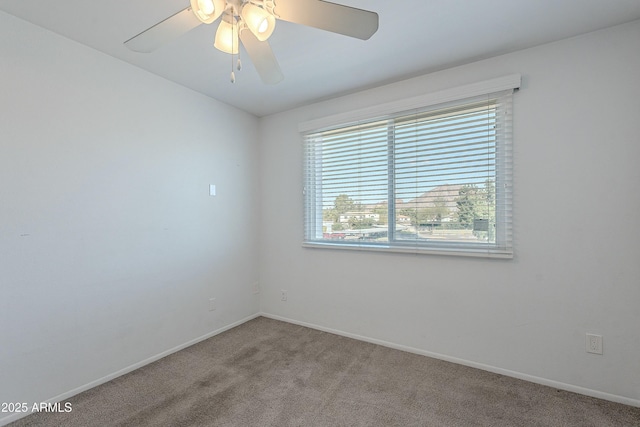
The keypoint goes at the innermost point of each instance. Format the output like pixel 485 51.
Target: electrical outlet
pixel 594 344
pixel 283 295
pixel 212 304
pixel 256 288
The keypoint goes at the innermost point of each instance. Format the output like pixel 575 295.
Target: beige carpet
pixel 270 373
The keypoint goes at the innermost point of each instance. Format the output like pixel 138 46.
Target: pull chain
pixel 233 26
pixel 239 64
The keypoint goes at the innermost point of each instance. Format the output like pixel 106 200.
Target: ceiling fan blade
pixel 163 32
pixel 262 57
pixel 349 21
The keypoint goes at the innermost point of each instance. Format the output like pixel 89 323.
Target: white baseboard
pixel 514 374
pixel 14 417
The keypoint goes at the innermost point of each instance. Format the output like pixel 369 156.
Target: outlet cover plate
pixel 594 343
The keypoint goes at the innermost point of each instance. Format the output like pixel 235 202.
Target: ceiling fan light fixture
pixel 258 17
pixel 260 22
pixel 207 11
pixel 227 37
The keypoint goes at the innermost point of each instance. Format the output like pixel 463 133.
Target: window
pixel 435 179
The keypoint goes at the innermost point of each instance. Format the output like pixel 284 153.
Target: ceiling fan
pixel 251 22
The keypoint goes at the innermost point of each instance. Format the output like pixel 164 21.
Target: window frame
pixel 503 246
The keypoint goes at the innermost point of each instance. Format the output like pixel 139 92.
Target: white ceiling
pixel 415 37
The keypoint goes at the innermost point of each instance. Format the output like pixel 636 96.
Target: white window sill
pixel 479 252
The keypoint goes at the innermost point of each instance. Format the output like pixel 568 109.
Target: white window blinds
pixel 434 179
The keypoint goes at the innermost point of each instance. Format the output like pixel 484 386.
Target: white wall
pixel 577 232
pixel 110 245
